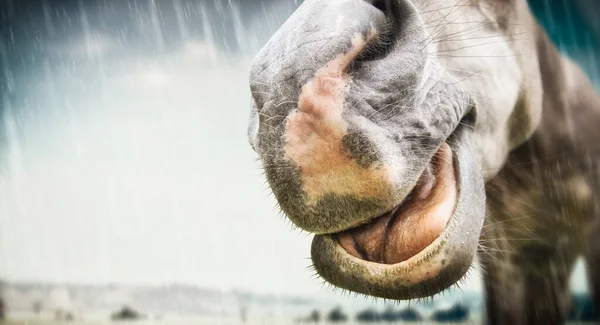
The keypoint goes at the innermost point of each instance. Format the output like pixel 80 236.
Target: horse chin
pixel 438 265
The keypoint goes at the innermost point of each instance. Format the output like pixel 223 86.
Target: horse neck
pixel 570 122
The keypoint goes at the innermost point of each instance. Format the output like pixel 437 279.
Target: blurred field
pixel 203 322
pixel 206 321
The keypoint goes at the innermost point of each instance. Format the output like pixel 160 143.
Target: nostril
pixel 380 46
pixel 379 4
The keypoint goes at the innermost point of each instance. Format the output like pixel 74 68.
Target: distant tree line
pixel 458 313
pixel 582 310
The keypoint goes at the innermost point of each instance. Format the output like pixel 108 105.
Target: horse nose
pixel 326 154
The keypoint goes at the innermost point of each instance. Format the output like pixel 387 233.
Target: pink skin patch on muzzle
pixel 314 134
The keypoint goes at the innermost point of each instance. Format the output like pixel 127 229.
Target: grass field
pixel 206 321
pixel 199 322
pixel 176 319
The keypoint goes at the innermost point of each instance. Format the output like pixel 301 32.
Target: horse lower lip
pixel 409 228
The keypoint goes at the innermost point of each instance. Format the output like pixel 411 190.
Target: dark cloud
pixel 40 37
pixel 30 30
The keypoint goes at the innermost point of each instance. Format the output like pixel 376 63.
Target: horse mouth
pixel 423 245
pixel 410 227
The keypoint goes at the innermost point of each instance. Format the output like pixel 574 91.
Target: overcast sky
pixel 128 161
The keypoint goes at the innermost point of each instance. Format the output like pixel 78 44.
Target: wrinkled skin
pixel 394 130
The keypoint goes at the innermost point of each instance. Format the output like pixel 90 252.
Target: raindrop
pixel 181 19
pixel 156 25
pixel 48 19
